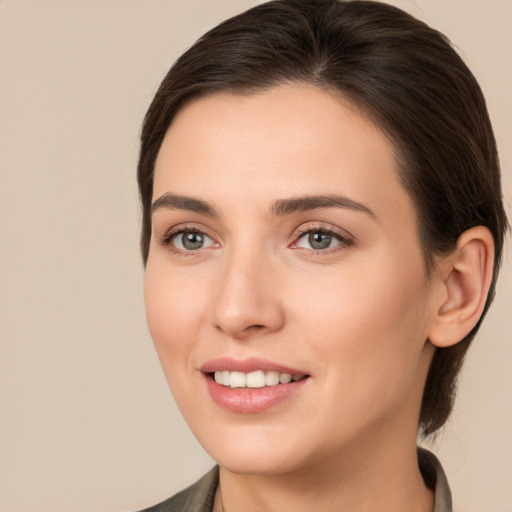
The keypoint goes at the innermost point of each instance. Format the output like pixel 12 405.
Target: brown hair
pixel 403 74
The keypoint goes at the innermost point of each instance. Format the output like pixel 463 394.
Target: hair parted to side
pixel 394 68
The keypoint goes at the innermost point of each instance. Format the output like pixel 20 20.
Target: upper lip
pixel 248 365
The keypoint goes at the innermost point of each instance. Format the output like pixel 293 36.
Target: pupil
pixel 192 241
pixel 319 240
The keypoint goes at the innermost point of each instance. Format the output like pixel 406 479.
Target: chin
pixel 259 464
pixel 254 452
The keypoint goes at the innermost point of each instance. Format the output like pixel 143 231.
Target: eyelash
pixel 166 240
pixel 345 240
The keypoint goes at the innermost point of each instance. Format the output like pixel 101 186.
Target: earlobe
pixel 467 275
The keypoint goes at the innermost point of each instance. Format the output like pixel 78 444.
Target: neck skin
pixel 378 471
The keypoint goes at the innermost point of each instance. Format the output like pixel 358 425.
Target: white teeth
pixel 284 378
pixel 256 379
pixel 272 379
pixel 238 380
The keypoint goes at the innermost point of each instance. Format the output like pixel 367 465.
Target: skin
pixel 355 316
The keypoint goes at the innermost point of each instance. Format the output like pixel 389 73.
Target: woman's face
pixel 284 245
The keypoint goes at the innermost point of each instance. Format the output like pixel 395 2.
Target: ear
pixel 465 276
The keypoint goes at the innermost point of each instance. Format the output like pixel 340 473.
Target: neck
pixel 387 480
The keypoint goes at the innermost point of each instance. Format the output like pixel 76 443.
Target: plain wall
pixel 87 423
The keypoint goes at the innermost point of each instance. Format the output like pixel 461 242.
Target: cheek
pixel 363 303
pixel 369 328
pixel 174 310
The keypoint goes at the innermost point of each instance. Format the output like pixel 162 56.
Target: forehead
pixel 289 140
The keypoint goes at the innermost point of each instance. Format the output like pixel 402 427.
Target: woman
pixel 322 231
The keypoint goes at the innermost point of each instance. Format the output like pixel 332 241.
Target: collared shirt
pixel 200 496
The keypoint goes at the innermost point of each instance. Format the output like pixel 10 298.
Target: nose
pixel 247 301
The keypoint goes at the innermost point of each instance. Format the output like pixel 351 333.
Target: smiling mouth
pixel 254 380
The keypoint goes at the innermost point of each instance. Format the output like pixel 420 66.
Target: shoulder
pixel 435 479
pixel 199 497
pixel 196 498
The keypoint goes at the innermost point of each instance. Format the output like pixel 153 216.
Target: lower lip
pixel 251 400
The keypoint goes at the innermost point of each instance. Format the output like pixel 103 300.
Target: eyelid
pixel 165 240
pixel 345 238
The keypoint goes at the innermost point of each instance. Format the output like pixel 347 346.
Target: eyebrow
pixel 306 203
pixel 281 207
pixel 176 202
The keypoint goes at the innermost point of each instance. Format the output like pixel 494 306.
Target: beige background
pixel 87 423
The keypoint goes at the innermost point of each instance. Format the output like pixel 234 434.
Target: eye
pixel 318 240
pixel 190 240
pixel 322 239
